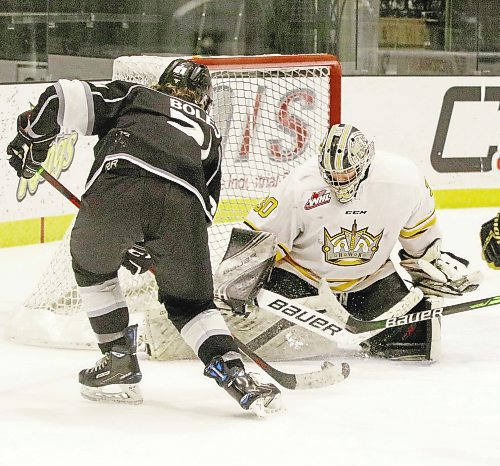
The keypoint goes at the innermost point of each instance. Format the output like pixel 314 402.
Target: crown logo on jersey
pixel 350 247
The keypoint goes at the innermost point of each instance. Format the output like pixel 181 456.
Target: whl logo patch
pixel 318 199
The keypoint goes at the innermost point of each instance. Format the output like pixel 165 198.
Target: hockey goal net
pixel 272 112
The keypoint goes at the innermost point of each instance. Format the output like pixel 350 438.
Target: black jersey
pixel 164 135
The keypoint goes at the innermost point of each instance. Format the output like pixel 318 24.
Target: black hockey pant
pixel 120 210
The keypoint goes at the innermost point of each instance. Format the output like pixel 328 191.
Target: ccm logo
pixel 304 316
pixel 355 212
pixel 412 318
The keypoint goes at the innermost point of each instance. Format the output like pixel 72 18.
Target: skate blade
pixel 261 409
pixel 116 393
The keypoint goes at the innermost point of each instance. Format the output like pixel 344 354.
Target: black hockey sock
pixel 218 345
pixel 106 347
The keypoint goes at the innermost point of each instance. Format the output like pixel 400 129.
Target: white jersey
pixel 349 245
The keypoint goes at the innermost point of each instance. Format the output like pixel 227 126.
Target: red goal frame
pixel 254 62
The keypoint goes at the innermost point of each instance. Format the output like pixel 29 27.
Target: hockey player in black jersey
pixel 154 187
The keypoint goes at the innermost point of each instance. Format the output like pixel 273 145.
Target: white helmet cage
pixel 344 157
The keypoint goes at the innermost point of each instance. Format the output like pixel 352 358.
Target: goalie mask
pixel 193 78
pixel 344 157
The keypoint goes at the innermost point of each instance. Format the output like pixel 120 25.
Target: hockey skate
pixel 115 377
pixel 262 399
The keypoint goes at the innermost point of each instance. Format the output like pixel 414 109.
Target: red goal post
pixel 272 111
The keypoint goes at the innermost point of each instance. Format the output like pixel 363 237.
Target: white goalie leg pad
pixel 163 342
pixel 161 339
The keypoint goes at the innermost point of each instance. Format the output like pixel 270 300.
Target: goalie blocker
pixel 245 267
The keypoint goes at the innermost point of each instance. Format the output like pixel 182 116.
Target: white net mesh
pixel 271 119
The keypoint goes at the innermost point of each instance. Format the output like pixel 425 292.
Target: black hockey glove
pixel 490 240
pixel 28 152
pixel 137 260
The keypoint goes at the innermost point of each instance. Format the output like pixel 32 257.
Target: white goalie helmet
pixel 344 157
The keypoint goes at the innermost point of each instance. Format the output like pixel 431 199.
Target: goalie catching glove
pixel 28 150
pixel 439 273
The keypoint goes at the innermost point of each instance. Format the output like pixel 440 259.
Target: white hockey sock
pixel 102 300
pixel 203 326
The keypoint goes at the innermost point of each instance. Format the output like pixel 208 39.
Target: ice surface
pixel 386 413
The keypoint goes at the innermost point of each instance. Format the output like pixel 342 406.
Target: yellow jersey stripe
pixel 419 228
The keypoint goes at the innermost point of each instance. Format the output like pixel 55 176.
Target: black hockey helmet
pixel 195 77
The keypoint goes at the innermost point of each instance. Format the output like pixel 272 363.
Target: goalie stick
pixel 354 325
pixel 327 327
pixel 329 374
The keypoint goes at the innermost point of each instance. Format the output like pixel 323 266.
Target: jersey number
pixel 181 113
pixel 266 206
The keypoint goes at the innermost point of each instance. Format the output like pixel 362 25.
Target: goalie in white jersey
pixel 339 221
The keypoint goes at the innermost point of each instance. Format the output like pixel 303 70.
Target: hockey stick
pixel 329 374
pixel 327 327
pixel 59 186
